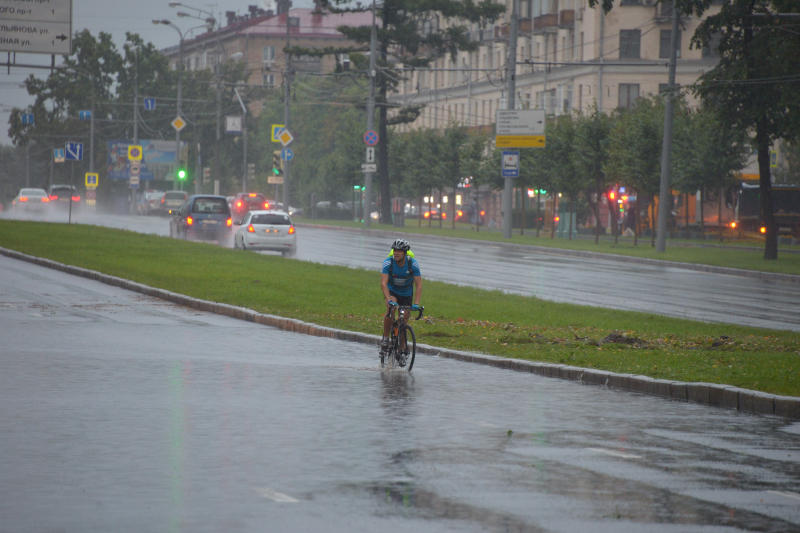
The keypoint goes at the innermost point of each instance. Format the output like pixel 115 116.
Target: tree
pixel 753 87
pixel 413 34
pixel 592 132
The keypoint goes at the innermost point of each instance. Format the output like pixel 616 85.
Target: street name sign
pixel 42 27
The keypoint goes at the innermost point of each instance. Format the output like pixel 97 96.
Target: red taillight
pixel 238 204
pixel 54 197
pixel 23 198
pixel 189 221
pixel 444 216
pixel 162 200
pixel 251 229
pixel 459 213
pixel 483 212
pixel 76 198
pixel 556 219
pixel 427 214
pixel 763 229
pixel 45 199
pixel 291 230
pixel 266 205
pixel 733 225
pixel 229 222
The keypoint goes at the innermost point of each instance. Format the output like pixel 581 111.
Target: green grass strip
pixel 457 317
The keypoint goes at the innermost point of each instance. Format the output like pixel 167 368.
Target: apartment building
pixel 570 57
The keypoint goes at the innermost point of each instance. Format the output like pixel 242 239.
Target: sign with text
pixel 520 128
pixel 42 27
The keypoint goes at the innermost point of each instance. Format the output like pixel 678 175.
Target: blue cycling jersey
pixel 400 281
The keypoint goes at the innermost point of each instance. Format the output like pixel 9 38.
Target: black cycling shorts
pixel 402 300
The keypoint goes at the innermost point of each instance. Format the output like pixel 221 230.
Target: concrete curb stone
pixel 706 393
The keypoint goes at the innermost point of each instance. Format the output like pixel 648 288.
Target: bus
pixel 786 209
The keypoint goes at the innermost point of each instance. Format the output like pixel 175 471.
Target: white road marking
pixel 786 494
pixel 275 496
pixel 614 453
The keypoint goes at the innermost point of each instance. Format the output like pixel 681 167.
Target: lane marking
pixel 785 494
pixel 274 495
pixel 614 453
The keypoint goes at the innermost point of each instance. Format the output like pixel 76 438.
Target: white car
pixel 267 230
pixel 31 200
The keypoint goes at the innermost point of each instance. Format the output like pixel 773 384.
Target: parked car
pixel 172 200
pixel 267 230
pixel 149 202
pixel 30 200
pixel 202 216
pixel 248 201
pixel 62 195
pixel 433 213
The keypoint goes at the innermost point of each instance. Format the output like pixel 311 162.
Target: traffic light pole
pixel 367 196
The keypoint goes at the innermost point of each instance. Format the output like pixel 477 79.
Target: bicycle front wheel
pixel 409 340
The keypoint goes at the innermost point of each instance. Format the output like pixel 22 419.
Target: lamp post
pixel 180 75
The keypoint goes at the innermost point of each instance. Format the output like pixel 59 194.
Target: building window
pixel 663 49
pixel 268 80
pixel 630 42
pixel 628 93
pixel 268 54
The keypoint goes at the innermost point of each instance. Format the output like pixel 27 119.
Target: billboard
pixel 158 159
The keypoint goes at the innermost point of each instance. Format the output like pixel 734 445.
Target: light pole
pixel 180 75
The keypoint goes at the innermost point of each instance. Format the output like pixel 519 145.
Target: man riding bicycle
pixel 401 283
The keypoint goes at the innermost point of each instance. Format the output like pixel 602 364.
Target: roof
pixel 312 24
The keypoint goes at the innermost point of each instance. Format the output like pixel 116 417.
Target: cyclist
pixel 401 282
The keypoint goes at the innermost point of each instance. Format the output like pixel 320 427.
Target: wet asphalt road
pixel 126 413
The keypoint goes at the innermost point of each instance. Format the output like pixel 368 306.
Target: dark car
pixel 172 200
pixel 63 195
pixel 244 202
pixel 203 216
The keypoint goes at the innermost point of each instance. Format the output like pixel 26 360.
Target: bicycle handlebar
pixel 415 307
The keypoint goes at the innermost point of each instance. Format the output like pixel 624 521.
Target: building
pixel 570 58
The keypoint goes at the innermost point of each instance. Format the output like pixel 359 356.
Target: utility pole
pixel 373 38
pixel 287 79
pixel 664 193
pixel 511 72
pixel 244 140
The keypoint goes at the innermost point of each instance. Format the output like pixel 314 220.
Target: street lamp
pixel 169 23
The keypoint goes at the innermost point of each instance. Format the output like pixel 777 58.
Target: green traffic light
pixel 181 174
pixel 276 171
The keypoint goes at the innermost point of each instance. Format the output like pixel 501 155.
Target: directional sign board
pixel 520 128
pixel 74 151
pixel 42 27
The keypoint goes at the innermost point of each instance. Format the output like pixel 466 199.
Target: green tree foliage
pixel 592 138
pixel 414 34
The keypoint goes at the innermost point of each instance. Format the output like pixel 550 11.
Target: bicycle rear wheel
pixel 408 339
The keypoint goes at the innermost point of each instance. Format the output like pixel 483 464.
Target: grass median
pixel 456 317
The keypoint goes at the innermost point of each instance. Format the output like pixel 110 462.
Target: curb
pixel 713 394
pixel 791 278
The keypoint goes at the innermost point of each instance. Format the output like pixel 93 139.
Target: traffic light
pixel 182 174
pixel 277 167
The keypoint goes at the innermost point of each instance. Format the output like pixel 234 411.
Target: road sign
pixel 275 180
pixel 233 124
pixel 369 167
pixel 287 154
pixel 370 156
pixel 285 137
pixel 510 163
pixel 520 128
pixel 370 137
pixel 276 129
pixel 149 104
pixel 178 123
pixel 74 151
pixel 136 169
pixel 134 152
pixel 36 27
pixel 58 155
pixel 27 119
pixel 92 179
pixel 133 183
pixel 85 114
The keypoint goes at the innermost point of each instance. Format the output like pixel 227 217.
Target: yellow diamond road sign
pixel 178 123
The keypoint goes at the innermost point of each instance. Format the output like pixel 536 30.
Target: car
pixel 62 195
pixel 202 216
pixel 172 200
pixel 31 200
pixel 149 202
pixel 267 230
pixel 248 201
pixel 434 213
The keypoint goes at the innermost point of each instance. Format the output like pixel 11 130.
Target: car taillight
pixel 54 197
pixel 45 199
pixel 444 216
pixel 763 229
pixel 23 198
pixel 427 214
pixel 76 198
pixel 291 230
pixel 252 195
pixel 459 213
pixel 229 222
pixel 189 221
pixel 251 229
pixel 239 204
pixel 162 200
pixel 266 205
pixel 733 225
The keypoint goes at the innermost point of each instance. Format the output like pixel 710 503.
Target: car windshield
pixel 215 206
pixel 32 192
pixel 271 218
pixel 175 196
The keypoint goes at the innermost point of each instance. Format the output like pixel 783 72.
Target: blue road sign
pixel 27 118
pixel 149 104
pixel 510 164
pixel 74 151
pixel 287 154
pixel 370 137
pixel 59 155
pixel 85 114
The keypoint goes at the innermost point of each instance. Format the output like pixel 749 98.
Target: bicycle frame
pixel 402 340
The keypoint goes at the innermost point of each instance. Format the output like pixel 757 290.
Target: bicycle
pixel 402 341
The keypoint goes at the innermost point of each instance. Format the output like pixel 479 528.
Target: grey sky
pixel 115 17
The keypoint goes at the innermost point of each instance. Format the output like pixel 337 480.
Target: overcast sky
pixel 115 17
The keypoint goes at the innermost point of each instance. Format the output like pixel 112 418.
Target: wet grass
pixel 730 252
pixel 461 318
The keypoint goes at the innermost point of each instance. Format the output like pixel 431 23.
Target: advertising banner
pixel 157 159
